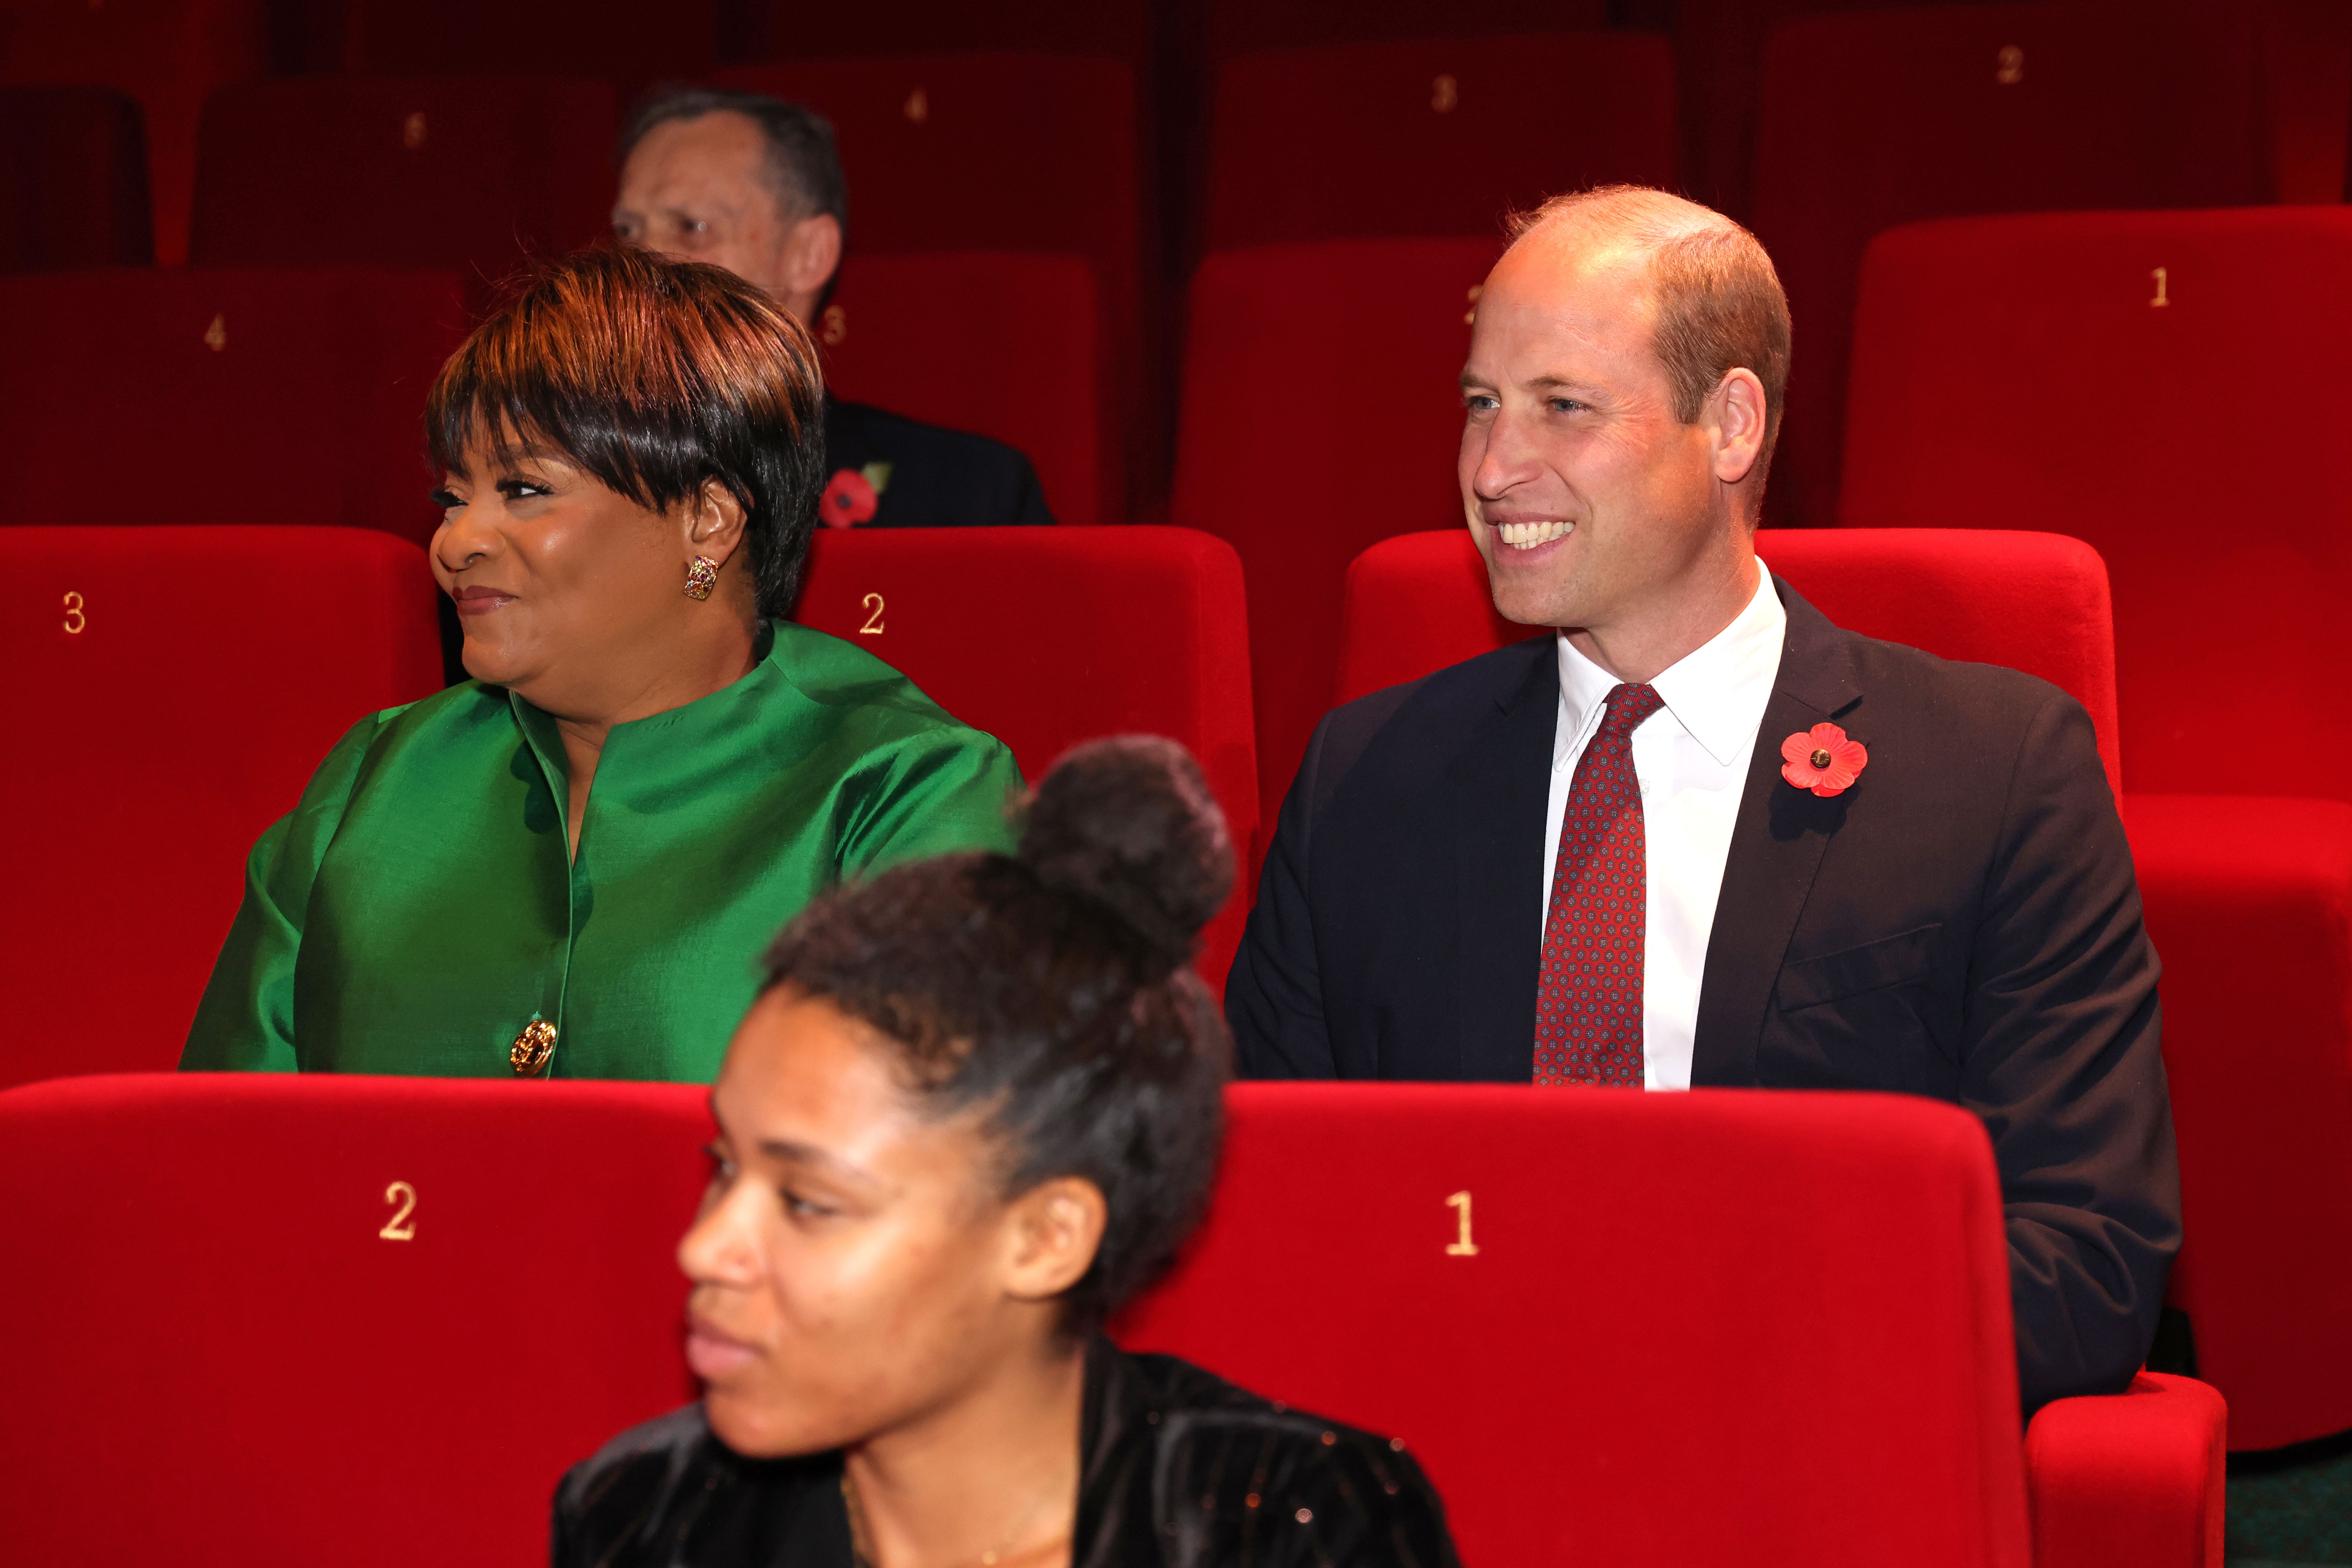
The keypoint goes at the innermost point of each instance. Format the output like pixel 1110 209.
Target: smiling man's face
pixel 1589 499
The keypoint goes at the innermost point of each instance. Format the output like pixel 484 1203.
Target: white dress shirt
pixel 1691 757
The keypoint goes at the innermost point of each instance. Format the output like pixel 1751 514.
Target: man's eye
pixel 1479 402
pixel 722 1169
pixel 800 1207
pixel 1565 405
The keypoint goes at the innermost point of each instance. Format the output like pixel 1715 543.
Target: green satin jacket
pixel 417 910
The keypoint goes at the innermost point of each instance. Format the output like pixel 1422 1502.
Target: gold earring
pixel 701 577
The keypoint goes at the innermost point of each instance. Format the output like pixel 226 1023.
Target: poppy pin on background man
pixel 1823 760
pixel 848 499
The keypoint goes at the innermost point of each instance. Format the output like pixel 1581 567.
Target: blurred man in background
pixel 753 184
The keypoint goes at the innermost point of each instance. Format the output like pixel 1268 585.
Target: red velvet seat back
pixel 1240 26
pixel 773 29
pixel 998 152
pixel 625 42
pixel 2001 361
pixel 2035 602
pixel 1718 72
pixel 1002 343
pixel 1302 480
pixel 1430 137
pixel 472 176
pixel 170 690
pixel 1874 119
pixel 1668 1347
pixel 167 54
pixel 263 1321
pixel 73 179
pixel 1044 638
pixel 189 396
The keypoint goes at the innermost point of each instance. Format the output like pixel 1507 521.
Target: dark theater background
pixel 2071 286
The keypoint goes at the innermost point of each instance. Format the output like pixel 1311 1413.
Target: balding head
pixel 1715 301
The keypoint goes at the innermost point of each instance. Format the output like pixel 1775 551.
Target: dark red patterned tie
pixel 1589 999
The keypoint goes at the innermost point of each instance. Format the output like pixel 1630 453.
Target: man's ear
pixel 1737 413
pixel 714 522
pixel 812 254
pixel 1055 1229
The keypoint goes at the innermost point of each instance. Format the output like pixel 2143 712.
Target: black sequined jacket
pixel 1178 1469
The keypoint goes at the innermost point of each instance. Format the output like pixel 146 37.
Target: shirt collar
pixel 1716 691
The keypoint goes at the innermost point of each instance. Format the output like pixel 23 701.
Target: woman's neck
pixel 992 1478
pixel 719 659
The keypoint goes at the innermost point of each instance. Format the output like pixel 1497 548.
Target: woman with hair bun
pixel 555 869
pixel 975 1109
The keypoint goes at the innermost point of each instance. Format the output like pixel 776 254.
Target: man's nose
pixel 1506 457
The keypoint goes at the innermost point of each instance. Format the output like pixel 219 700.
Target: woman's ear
pixel 714 521
pixel 1055 1229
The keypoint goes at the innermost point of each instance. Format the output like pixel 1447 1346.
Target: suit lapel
pixel 1495 792
pixel 1777 844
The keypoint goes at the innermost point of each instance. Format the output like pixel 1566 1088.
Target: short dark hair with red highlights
pixel 656 376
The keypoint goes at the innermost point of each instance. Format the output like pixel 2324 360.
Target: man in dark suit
pixel 1592 857
pixel 753 184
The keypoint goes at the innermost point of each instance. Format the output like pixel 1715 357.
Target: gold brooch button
pixel 533 1048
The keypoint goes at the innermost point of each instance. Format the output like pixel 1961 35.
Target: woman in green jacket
pixel 558 867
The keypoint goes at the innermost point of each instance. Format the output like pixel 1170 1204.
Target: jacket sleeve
pixel 947 789
pixel 245 1021
pixel 1274 993
pixel 2061 1036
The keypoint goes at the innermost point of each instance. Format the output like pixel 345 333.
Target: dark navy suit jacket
pixel 1963 923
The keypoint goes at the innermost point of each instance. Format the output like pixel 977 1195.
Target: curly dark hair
pixel 1053 989
pixel 654 375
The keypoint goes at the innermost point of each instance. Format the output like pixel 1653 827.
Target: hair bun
pixel 1130 822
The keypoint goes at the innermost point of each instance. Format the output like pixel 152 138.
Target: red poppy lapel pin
pixel 849 497
pixel 1823 760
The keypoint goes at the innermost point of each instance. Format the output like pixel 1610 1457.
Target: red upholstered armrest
pixel 2131 1479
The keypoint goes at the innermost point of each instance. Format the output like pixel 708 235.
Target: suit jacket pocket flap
pixel 1874 966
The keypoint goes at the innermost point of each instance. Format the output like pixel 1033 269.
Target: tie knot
pixel 1627 706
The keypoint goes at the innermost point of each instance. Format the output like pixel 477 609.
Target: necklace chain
pixel 861 1543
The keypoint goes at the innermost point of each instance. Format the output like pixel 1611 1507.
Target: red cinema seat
pixel 1045 637
pixel 167 54
pixel 1876 118
pixel 1718 67
pixel 999 343
pixel 1700 1314
pixel 2035 602
pixel 1241 26
pixel 1431 137
pixel 785 30
pixel 1321 414
pixel 226 397
pixel 2249 904
pixel 1000 152
pixel 169 692
pixel 2225 531
pixel 628 44
pixel 269 1320
pixel 1992 358
pixel 73 180
pixel 470 176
